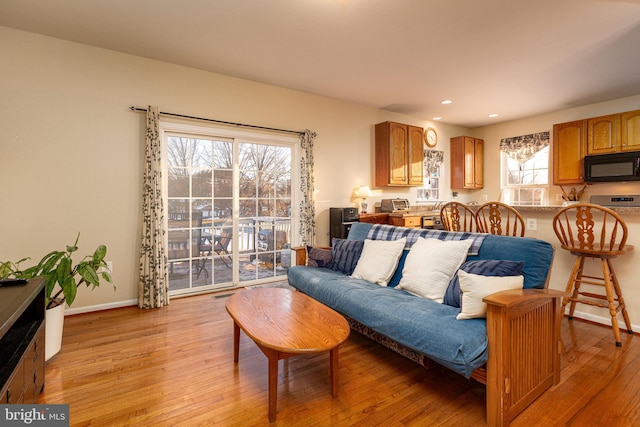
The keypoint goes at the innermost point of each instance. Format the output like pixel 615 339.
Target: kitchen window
pixel 524 166
pixel 526 183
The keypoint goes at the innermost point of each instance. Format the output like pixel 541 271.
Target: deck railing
pixel 250 229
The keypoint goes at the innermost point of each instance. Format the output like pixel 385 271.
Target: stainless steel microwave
pixel 612 167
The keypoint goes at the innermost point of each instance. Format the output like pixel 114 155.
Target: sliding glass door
pixel 229 207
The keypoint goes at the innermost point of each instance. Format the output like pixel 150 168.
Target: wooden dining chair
pixel 457 216
pixel 499 218
pixel 592 231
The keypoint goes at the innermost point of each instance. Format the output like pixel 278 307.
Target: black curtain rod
pixel 221 121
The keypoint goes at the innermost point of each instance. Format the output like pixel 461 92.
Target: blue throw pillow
pixel 345 255
pixel 500 268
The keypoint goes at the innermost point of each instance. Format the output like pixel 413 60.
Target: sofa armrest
pixel 517 298
pixel 523 329
pixel 300 255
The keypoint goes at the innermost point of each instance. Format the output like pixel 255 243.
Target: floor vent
pixel 222 296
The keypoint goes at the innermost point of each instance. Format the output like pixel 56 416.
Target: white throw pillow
pixel 430 265
pixel 379 260
pixel 475 288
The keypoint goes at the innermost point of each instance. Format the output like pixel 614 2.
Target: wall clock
pixel 430 137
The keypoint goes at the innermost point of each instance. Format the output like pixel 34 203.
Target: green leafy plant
pixel 62 277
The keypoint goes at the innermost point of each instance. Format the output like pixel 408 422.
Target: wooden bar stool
pixel 593 231
pixel 499 218
pixel 457 217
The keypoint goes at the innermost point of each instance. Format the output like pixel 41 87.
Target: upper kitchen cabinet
pixel 614 133
pixel 630 130
pixel 467 158
pixel 603 134
pixel 569 141
pixel 399 155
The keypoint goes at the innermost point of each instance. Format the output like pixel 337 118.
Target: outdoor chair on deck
pixel 187 239
pixel 592 231
pixel 221 244
pixel 201 248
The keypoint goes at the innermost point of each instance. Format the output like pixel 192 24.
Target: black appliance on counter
pixel 433 222
pixel 340 221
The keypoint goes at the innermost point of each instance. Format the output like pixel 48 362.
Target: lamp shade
pixel 363 191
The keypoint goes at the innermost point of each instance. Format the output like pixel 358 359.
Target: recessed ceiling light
pixel 494 115
pixel 437 118
pixel 446 101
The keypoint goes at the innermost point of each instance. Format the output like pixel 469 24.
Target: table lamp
pixel 364 191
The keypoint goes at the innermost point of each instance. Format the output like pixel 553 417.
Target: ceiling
pixel 516 58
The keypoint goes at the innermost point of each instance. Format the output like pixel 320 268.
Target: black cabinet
pixel 22 342
pixel 340 221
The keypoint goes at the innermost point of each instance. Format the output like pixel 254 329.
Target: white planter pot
pixel 54 323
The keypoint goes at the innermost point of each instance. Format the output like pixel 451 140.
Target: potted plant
pixel 62 280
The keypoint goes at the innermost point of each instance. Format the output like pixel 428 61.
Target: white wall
pixel 71 151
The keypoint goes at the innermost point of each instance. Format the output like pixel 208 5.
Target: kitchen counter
pixel 417 211
pixel 555 208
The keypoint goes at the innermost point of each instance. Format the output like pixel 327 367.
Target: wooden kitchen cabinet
pixel 399 155
pixel 467 162
pixel 614 133
pixel 569 144
pixel 596 135
pixel 630 131
pixel 406 221
pixel 375 218
pixel 603 135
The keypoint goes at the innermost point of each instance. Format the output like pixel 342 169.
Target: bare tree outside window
pixel 526 182
pixel 200 180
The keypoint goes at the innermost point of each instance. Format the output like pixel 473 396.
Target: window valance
pixel 432 161
pixel 523 148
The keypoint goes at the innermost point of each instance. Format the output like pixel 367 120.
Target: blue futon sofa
pixel 425 330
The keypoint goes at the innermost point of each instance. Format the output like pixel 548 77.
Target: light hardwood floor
pixel 174 366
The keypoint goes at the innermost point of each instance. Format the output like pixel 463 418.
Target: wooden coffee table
pixel 285 323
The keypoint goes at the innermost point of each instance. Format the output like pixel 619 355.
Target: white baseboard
pixel 99 307
pixel 577 314
pixel 600 319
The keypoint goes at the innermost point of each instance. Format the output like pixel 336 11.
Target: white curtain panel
pixel 153 285
pixel 307 187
